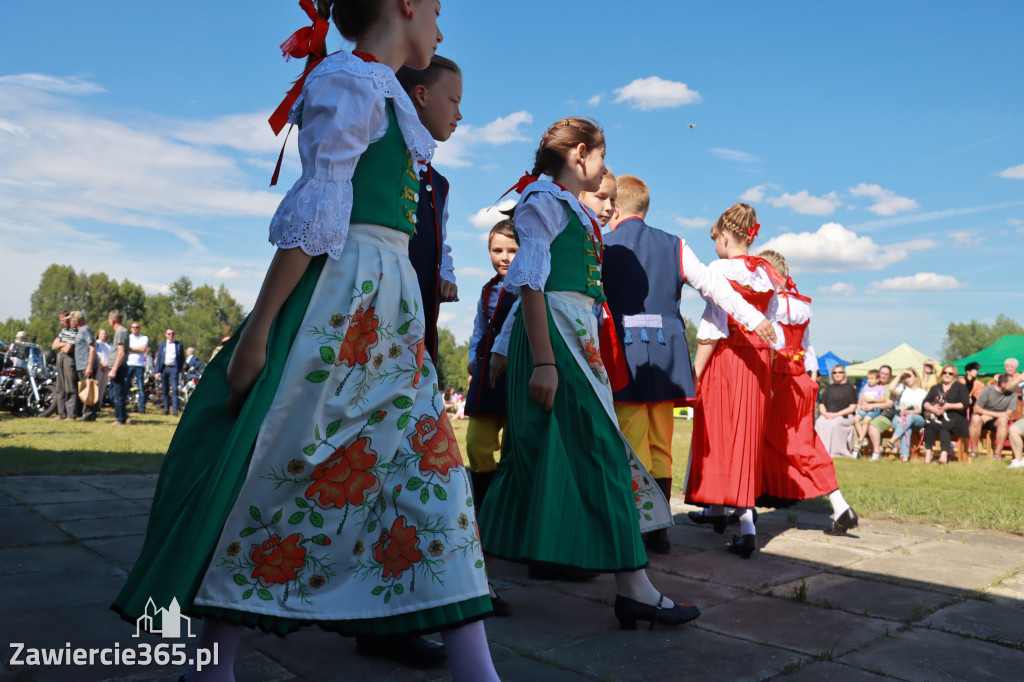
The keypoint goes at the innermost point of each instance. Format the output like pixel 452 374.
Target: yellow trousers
pixel 648 428
pixel 484 436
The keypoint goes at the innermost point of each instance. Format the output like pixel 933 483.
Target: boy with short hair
pixel 436 92
pixel 873 392
pixel 485 404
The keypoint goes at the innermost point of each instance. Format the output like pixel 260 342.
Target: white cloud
pixel 887 203
pixel 733 155
pixel 1013 173
pixel 245 132
pixel 755 194
pixel 594 101
pixel 1014 221
pixel 457 151
pixel 965 238
pixel 922 281
pixel 693 222
pixel 44 83
pixel 656 93
pixel 226 273
pixel 487 217
pixel 807 204
pixel 833 248
pixel 841 288
pixel 473 272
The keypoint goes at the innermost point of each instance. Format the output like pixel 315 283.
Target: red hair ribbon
pixel 752 231
pixel 520 185
pixel 309 40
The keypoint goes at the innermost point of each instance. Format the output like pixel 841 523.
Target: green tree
pixel 200 316
pixel 451 361
pixel 967 338
pixel 691 337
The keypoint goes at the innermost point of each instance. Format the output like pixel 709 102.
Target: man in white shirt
pixel 138 349
pixel 170 366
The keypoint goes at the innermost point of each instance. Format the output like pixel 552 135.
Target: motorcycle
pixel 27 385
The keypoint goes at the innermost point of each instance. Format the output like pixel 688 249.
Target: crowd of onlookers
pixel 93 368
pixel 936 402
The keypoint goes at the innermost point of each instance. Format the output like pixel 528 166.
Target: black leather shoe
pixel 734 518
pixel 743 545
pixel 657 541
pixel 718 523
pixel 541 570
pixel 405 649
pixel 844 522
pixel 629 612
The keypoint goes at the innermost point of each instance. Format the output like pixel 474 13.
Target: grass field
pixel 983 494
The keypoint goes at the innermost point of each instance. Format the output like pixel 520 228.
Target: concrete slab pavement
pixel 888 602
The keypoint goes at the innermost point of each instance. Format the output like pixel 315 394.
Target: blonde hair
pixel 777 260
pixel 634 197
pixel 563 136
pixel 737 219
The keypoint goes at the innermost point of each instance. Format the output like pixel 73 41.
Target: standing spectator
pixel 138 350
pixel 191 361
pixel 170 359
pixel 992 412
pixel 836 406
pixel 85 360
pixel 64 345
pixel 103 349
pixel 945 409
pixel 118 373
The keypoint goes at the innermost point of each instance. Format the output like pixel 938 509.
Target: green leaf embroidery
pixel 425 495
pixel 403 328
pixel 296 518
pixel 403 420
pixel 383 505
pixel 440 493
pixel 581 332
pixel 277 516
pixel 426 371
pixel 309 449
pixel 316 519
pixel 319 376
pixel 414 483
pixel 264 595
pixel 240 579
pixel 479 563
pixel 316 432
pixel 247 593
pixel 373 527
pixel 399 589
pixel 469 501
pixel 377 417
pixel 647 516
pixel 387 597
pixel 254 513
pixel 580 322
pixel 301 503
pixel 367 286
pixel 405 306
pixel 396 492
pixel 246 532
pixel 648 505
pixel 333 427
pixel 327 354
pixel 377 591
pixel 320 539
pixel 402 402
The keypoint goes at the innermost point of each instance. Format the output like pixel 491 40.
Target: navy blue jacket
pixel 425 251
pixel 179 352
pixel 481 399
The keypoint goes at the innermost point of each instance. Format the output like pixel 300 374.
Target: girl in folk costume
pixel 315 478
pixel 795 464
pixel 569 489
pixel 733 368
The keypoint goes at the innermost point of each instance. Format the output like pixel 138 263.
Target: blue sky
pixel 882 144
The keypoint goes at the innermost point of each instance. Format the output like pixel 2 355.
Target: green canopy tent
pixel 899 358
pixel 991 358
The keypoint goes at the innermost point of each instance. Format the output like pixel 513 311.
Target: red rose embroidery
pixel 593 356
pixel 435 439
pixel 397 549
pixel 420 347
pixel 636 486
pixel 344 477
pixel 278 561
pixel 360 336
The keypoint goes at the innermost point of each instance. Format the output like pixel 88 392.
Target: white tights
pixel 637 586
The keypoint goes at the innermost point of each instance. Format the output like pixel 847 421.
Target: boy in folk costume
pixel 436 92
pixel 644 272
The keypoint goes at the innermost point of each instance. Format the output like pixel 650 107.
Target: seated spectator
pixel 835 407
pixel 449 399
pixel 883 422
pixel 974 387
pixel 930 374
pixel 1016 434
pixel 871 394
pixel 945 410
pixel 992 412
pixel 909 407
pixel 1010 366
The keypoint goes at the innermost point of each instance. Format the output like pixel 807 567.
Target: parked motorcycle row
pixel 28 385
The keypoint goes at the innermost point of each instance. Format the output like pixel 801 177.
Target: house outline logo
pixel 170 617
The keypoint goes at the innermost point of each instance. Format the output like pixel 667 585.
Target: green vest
pixel 385 166
pixel 574 262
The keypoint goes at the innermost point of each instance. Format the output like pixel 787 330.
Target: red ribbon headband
pixel 308 40
pixel 752 231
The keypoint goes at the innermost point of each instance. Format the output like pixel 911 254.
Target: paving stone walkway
pixel 889 601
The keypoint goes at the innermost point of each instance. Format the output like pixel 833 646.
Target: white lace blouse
pixel 342 111
pixel 540 217
pixel 714 324
pixel 794 311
